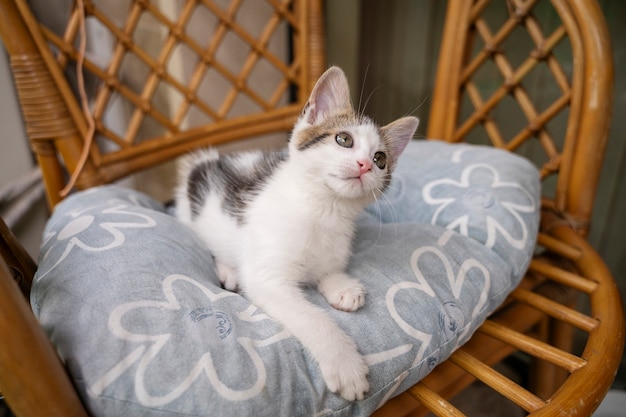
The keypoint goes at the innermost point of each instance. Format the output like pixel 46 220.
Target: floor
pixel 481 401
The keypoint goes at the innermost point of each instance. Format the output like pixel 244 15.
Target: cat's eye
pixel 380 159
pixel 345 140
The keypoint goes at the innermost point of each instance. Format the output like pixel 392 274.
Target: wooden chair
pixel 540 316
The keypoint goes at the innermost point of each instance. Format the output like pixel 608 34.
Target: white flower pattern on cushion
pixel 84 224
pixel 159 353
pixel 149 353
pixel 478 199
pixel 452 320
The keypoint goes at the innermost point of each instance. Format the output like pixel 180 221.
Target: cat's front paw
pixel 350 299
pixel 342 292
pixel 348 377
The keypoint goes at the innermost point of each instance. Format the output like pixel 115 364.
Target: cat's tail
pixel 191 175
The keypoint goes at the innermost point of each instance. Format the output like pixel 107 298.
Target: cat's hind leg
pixel 227 276
pixel 342 292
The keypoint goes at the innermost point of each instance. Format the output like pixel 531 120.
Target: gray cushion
pixel 130 299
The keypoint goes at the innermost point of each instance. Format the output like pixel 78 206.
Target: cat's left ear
pixel 397 135
pixel 330 95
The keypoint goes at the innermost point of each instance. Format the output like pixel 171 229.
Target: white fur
pixel 300 234
pixel 298 231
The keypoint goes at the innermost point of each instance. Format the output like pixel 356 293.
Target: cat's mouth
pixel 361 177
pixel 351 185
pixel 351 179
pixel 358 184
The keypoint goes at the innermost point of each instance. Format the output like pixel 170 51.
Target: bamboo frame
pixel 538 317
pixel 133 155
pixel 32 377
pixel 588 95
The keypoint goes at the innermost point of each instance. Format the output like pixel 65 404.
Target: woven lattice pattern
pixel 514 75
pixel 155 68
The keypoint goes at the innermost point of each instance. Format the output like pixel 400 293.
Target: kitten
pixel 276 221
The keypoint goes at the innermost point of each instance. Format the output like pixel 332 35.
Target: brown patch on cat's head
pixel 329 111
pixel 311 135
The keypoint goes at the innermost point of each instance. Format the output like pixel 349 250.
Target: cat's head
pixel 342 149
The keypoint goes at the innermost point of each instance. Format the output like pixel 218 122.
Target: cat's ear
pixel 397 135
pixel 330 95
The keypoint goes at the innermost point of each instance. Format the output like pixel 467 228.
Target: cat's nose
pixel 364 166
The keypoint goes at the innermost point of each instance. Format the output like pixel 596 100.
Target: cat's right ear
pixel 330 95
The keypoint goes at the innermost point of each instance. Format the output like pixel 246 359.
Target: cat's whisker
pixel 394 217
pixel 358 109
pixel 415 109
pixel 392 186
pixel 379 216
pixel 369 97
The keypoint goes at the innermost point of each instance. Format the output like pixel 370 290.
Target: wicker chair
pixel 540 316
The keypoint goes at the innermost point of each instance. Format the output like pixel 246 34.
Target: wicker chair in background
pixel 539 317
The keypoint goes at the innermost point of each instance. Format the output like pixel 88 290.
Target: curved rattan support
pixel 44 113
pixel 596 104
pixel 48 124
pixel 32 377
pixel 18 261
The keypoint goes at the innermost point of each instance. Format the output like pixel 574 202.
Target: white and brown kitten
pixel 278 221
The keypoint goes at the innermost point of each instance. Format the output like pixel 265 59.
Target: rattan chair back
pixel 539 82
pixel 116 87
